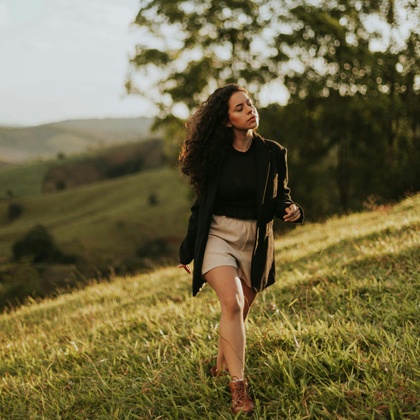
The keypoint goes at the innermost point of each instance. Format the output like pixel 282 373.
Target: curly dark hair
pixel 207 138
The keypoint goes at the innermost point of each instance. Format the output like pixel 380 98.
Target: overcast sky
pixel 64 59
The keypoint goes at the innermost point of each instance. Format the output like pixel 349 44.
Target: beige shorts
pixel 230 242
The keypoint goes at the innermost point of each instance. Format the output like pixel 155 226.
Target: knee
pixel 233 305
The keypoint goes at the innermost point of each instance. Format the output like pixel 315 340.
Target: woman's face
pixel 242 113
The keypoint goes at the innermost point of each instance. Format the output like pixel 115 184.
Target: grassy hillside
pixel 336 337
pixel 26 179
pixel 111 162
pixel 69 137
pixel 110 129
pixel 86 220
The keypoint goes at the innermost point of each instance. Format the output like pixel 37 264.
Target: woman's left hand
pixel 185 267
pixel 292 213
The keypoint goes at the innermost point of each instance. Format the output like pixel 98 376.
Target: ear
pixel 228 124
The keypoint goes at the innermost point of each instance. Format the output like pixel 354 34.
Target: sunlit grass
pixel 337 336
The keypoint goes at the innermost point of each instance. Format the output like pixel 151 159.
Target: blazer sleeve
pixel 186 250
pixel 283 193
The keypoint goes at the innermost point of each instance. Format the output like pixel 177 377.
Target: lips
pixel 252 119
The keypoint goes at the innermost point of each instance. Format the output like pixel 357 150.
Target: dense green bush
pixel 128 167
pixel 155 248
pixel 39 245
pixel 14 211
pixel 153 199
pixel 60 185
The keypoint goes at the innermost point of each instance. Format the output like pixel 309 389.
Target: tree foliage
pixel 195 45
pixel 370 80
pixel 351 68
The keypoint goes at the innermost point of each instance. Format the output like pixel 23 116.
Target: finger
pixel 288 215
pixel 185 267
pixel 292 217
pixel 291 209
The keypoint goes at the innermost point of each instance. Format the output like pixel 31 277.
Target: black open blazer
pixel 273 197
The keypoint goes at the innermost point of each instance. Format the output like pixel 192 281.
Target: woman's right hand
pixel 185 267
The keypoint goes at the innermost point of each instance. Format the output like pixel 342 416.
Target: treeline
pixel 351 69
pixel 112 162
pixel 344 154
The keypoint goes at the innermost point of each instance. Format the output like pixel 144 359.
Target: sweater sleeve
pixel 186 250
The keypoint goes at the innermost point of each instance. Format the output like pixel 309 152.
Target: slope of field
pixel 111 129
pixel 336 337
pixel 104 223
pixel 74 136
pixel 23 180
pixel 26 179
pixel 111 162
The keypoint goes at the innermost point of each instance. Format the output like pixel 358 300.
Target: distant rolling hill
pixel 104 224
pixel 19 144
pixel 30 178
pixel 109 162
pixel 4 163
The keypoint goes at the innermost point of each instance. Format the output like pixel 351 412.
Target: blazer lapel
pixel 262 155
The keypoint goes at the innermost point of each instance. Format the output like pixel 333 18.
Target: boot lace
pixel 240 395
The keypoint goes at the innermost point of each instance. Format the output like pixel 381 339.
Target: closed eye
pixel 240 107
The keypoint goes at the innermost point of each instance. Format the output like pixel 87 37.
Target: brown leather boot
pixel 241 403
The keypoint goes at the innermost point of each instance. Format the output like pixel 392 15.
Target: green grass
pixel 23 180
pixel 337 336
pixel 26 179
pixel 84 221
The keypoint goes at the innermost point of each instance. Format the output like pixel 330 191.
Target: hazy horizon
pixel 66 59
pixel 112 117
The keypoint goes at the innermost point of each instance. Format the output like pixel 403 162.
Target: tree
pixel 351 69
pixel 189 47
pixel 37 243
pixel 368 76
pixel 14 211
pixel 194 46
pixel 39 246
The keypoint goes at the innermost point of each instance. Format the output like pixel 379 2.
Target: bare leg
pixel 249 296
pixel 230 292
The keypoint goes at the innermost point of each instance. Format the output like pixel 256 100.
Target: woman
pixel 241 184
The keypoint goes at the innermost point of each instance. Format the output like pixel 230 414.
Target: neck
pixel 242 140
